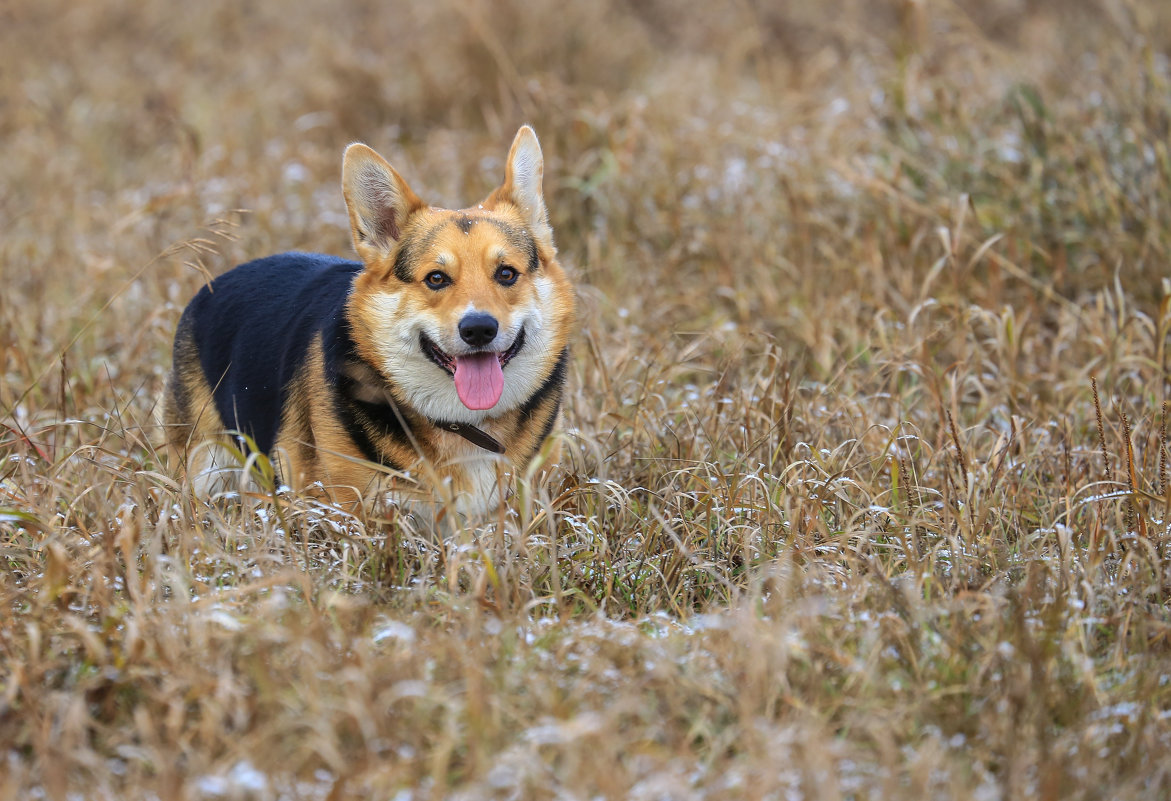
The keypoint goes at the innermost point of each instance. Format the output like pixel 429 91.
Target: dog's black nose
pixel 478 329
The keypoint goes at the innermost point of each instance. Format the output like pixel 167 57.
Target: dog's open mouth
pixel 479 377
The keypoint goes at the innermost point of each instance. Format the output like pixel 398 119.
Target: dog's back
pixel 248 332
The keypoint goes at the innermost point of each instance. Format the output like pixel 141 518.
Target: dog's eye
pixel 506 275
pixel 437 280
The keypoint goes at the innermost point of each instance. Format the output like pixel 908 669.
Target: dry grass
pixel 868 494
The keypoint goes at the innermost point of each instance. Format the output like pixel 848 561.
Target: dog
pixel 437 362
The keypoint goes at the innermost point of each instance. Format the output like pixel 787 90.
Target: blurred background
pixel 855 190
pixel 872 370
pixel 694 150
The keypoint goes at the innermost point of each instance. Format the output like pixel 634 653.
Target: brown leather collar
pixel 370 388
pixel 473 435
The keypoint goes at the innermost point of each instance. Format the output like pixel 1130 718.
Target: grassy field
pixel 866 491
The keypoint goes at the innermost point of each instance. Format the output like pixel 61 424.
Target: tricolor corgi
pixel 441 354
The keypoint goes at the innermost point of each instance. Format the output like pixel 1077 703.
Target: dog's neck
pixel 368 387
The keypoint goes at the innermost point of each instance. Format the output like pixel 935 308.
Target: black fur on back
pixel 253 326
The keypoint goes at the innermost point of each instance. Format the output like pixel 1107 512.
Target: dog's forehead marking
pixel 508 236
pixel 413 251
pixel 465 222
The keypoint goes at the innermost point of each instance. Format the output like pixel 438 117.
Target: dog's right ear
pixel 378 199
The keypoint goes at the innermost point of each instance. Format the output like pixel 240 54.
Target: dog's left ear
pixel 522 185
pixel 378 199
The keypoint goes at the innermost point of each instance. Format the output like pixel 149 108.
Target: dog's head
pixel 464 312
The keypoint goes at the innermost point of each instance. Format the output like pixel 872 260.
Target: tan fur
pixel 195 432
pixel 386 310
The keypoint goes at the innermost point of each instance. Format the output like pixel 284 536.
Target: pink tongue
pixel 479 381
